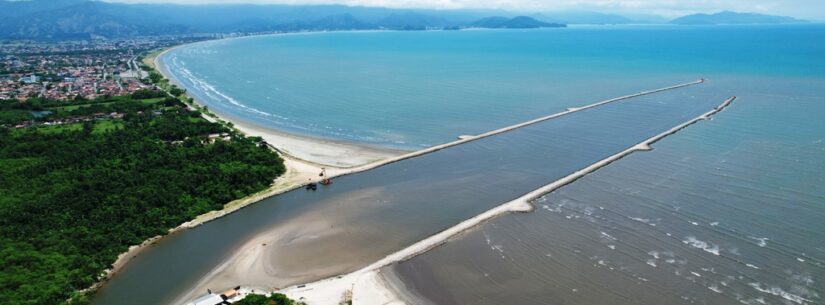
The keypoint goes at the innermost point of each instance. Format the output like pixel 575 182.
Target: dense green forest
pixel 274 299
pixel 73 198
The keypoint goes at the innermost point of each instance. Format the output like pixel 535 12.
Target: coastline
pixel 245 257
pixel 300 171
pixel 316 151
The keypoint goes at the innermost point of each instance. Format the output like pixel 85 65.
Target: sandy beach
pixel 303 157
pixel 263 263
pixel 317 151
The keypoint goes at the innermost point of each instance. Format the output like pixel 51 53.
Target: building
pixel 30 79
pixel 208 299
pixel 227 297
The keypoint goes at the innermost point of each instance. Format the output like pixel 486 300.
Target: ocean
pixel 410 90
pixel 726 211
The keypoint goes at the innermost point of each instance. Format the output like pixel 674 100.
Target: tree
pixel 155 77
pixel 273 299
pixel 72 199
pixel 176 91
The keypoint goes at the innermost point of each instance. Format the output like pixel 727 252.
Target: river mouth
pixel 302 236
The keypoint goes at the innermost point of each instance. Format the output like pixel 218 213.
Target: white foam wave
pixel 699 244
pixel 759 300
pixel 644 221
pixel 607 237
pixel 761 241
pixel 779 292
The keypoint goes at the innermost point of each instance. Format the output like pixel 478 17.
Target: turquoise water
pixel 415 89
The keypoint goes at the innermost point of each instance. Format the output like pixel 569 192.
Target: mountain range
pixel 86 19
pixel 728 17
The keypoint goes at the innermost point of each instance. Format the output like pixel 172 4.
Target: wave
pixel 200 86
pixel 706 246
pixel 779 292
pixel 761 241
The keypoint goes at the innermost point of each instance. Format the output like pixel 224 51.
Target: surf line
pixel 521 204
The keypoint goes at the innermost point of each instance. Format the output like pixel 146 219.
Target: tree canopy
pixel 274 299
pixel 72 200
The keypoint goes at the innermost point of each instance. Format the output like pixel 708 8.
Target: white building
pixel 209 299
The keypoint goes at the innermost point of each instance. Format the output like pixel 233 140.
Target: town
pixel 72 70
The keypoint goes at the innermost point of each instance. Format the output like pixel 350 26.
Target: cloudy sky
pixel 810 9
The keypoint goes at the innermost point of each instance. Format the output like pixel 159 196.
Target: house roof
pixel 209 299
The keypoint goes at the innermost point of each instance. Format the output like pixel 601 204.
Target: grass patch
pixel 196 120
pixel 101 127
pixel 55 129
pixel 107 126
pixel 152 100
pixel 109 101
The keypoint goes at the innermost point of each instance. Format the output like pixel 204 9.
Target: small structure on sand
pixel 208 299
pixel 227 297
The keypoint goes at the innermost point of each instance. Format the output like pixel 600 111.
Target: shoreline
pixel 313 150
pixel 369 286
pixel 299 171
pixel 245 254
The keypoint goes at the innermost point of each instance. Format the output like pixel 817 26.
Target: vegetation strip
pixel 81 184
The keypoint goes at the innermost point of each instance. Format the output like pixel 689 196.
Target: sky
pixel 807 9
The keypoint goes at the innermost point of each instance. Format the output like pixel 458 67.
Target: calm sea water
pixel 415 89
pixel 730 211
pixel 727 211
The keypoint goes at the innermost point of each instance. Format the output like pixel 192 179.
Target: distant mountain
pixel 728 17
pixel 580 17
pixel 19 8
pixel 80 20
pixel 88 19
pixel 413 21
pixel 518 22
pixel 335 22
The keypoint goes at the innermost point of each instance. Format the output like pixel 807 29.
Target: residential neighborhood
pixel 64 71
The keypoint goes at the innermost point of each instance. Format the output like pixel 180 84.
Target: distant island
pixel 519 22
pixel 728 17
